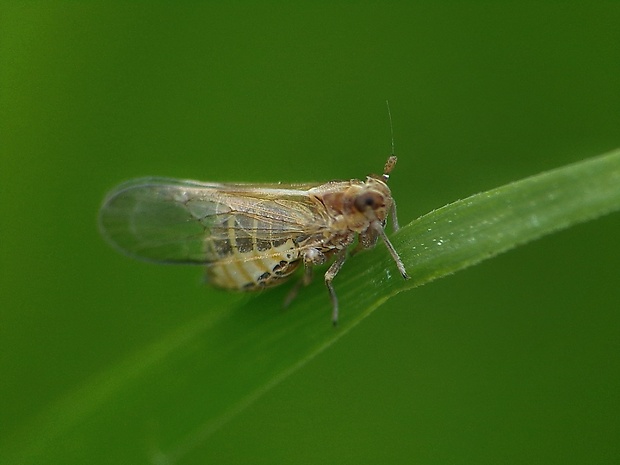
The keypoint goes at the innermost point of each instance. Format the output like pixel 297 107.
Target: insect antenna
pixel 389 165
pixel 387 103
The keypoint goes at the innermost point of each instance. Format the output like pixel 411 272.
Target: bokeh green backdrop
pixel 512 361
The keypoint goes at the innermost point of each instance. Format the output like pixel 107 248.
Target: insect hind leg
pixel 312 257
pixel 329 277
pixel 305 280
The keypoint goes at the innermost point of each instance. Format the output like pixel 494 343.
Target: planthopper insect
pixel 251 236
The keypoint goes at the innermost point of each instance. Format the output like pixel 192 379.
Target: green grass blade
pixel 205 372
pixel 481 226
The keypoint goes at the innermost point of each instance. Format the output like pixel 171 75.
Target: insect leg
pixel 329 277
pixel 304 281
pixel 399 263
pixel 312 256
pixel 357 249
pixel 394 218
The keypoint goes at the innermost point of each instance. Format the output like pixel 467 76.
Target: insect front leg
pixel 329 277
pixel 378 227
pixel 395 226
pixel 311 257
pixel 365 240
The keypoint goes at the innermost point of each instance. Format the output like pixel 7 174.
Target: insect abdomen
pixel 244 262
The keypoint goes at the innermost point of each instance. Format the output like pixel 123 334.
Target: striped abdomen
pixel 249 258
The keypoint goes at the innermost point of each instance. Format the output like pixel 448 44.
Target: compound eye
pixel 368 201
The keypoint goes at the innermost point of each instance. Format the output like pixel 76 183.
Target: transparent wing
pixel 169 220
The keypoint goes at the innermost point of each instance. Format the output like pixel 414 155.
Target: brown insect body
pixel 250 236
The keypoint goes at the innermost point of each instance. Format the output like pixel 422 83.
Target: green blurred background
pixel 512 361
